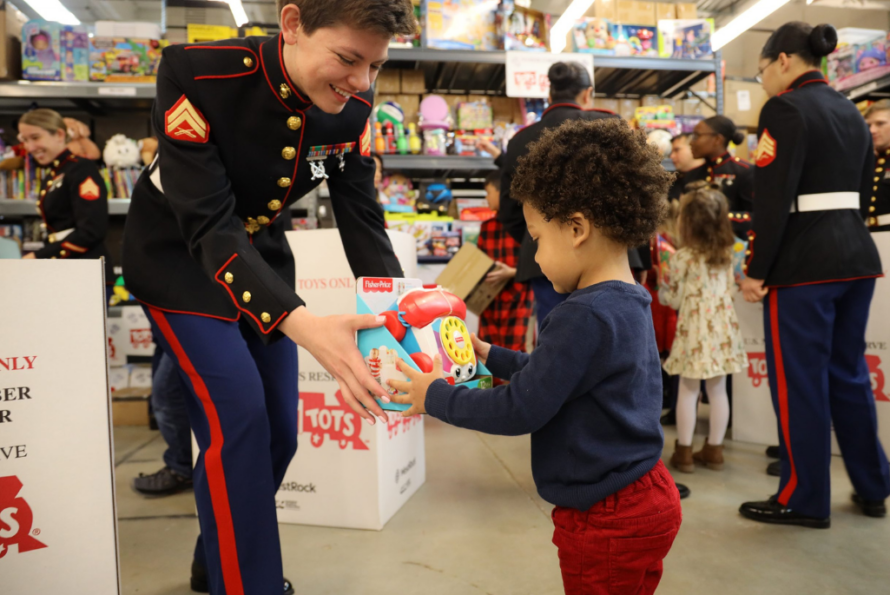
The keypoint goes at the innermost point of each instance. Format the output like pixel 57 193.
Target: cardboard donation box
pixel 465 277
pixel 346 473
pixel 58 528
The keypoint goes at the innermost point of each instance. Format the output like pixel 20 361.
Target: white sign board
pixel 527 72
pixel 753 417
pixel 346 473
pixel 58 530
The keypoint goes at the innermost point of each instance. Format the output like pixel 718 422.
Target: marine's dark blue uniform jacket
pixel 205 231
pixel 812 189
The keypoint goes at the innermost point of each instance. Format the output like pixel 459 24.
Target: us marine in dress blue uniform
pixel 811 248
pixel 206 254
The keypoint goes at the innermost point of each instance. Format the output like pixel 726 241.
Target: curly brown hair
pixel 601 169
pixel 704 224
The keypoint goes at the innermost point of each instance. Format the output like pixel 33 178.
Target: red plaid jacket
pixel 505 322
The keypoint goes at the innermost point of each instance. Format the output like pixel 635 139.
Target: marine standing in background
pixel 811 256
pixel 878 119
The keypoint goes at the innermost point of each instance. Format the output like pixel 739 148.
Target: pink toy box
pixel 420 323
pixel 860 57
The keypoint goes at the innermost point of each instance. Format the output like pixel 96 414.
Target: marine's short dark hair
pixel 601 169
pixel 386 17
pixel 494 178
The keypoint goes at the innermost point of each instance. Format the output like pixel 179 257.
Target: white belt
pixel 826 201
pixel 59 236
pixel 879 220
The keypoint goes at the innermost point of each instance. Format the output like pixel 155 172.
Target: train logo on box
pixel 339 424
pixel 16 519
pixel 757 368
pixel 877 377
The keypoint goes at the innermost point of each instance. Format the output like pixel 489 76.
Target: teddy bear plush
pixel 80 144
pixel 148 148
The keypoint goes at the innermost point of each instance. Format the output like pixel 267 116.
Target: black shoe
pixel 163 483
pixel 873 508
pixel 772 452
pixel 201 585
pixel 774 469
pixel 684 491
pixel 770 511
pixel 669 419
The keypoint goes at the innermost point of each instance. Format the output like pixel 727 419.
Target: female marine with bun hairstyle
pixel 812 257
pixel 733 176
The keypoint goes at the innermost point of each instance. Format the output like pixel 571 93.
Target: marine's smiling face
pixel 333 63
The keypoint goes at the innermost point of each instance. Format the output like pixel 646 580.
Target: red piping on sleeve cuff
pixel 74 248
pixel 258 322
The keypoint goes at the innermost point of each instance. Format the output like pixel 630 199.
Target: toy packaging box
pixel 460 24
pixel 421 322
pixel 522 29
pixel 634 40
pixel 860 57
pixel 685 38
pixel 593 36
pixel 124 60
pixel 75 53
pixel 41 50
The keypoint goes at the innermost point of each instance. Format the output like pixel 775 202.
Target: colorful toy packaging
pixel 654 117
pixel 75 53
pixel 860 57
pixel 685 38
pixel 120 60
pixel 522 29
pixel 665 251
pixel 634 40
pixel 396 193
pixel 41 49
pixel 460 24
pixel 593 36
pixel 421 322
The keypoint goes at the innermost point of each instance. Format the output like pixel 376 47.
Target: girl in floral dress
pixel 708 344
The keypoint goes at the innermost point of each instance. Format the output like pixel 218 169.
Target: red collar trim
pixel 272 62
pixel 556 105
pixel 812 76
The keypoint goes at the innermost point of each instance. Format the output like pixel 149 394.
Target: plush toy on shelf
pixel 121 152
pixel 148 147
pixel 80 144
pixel 430 321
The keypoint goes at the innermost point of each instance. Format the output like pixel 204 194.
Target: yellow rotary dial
pixel 456 340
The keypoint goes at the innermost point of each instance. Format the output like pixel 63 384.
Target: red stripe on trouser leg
pixel 782 396
pixel 219 494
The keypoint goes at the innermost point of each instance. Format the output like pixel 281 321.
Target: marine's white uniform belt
pixel 826 201
pixel 59 236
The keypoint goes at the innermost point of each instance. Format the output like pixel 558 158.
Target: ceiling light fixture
pixel 560 30
pixel 238 12
pixel 52 10
pixel 756 13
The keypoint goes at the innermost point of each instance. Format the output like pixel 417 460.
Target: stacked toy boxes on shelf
pixel 860 57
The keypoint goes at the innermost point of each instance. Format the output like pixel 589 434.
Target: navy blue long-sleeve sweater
pixel 589 394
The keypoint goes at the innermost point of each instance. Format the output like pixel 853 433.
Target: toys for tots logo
pixel 757 368
pixel 16 519
pixel 339 423
pixel 372 285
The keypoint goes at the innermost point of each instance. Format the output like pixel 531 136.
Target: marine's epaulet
pixel 227 59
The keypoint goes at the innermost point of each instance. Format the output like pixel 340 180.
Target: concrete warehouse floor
pixel 478 526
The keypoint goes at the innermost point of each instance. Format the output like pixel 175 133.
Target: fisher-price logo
pixel 372 285
pixel 877 377
pixel 16 519
pixel 340 423
pixel 757 368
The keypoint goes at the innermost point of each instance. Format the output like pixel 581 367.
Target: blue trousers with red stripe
pixel 242 406
pixel 815 350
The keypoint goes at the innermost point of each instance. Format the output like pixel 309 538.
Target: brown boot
pixel 711 456
pixel 682 458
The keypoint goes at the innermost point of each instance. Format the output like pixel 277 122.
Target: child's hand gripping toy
pixel 431 321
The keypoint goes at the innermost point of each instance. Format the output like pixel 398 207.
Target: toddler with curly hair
pixel 590 393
